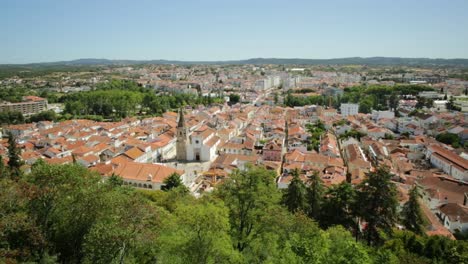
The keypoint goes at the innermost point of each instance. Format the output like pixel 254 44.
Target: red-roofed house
pixel 448 161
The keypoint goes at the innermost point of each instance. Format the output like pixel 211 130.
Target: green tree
pixel 344 249
pixel 412 214
pixel 49 115
pixel 11 117
pixel 420 102
pixel 66 203
pixel 173 181
pixel 338 206
pixel 20 238
pixel 275 97
pixel 451 103
pixel 248 195
pixel 315 194
pixel 127 230
pixel 412 248
pixel 14 159
pixel 295 197
pixel 449 139
pixel 393 102
pixel 3 171
pixel 307 240
pixel 234 98
pixel 115 180
pixel 365 106
pixel 198 233
pixel 377 203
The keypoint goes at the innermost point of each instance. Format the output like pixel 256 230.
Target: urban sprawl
pixel 145 123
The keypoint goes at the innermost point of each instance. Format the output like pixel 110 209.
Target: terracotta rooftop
pixel 145 171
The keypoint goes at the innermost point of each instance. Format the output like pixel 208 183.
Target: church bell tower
pixel 182 138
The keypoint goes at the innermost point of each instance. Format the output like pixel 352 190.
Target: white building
pixel 440 105
pixel 202 145
pixel 276 81
pixel 448 161
pixel 349 109
pixel 431 94
pixel 145 175
pixel 454 217
pixel 263 84
pixel 376 115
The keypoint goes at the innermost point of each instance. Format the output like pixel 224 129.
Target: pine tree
pixel 412 215
pixel 315 194
pixel 338 205
pixel 377 203
pixel 14 161
pixel 295 197
pixel 173 181
pixel 3 172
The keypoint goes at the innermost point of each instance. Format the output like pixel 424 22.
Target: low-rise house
pixel 378 132
pixel 412 144
pixel 358 165
pixel 377 151
pixel 427 121
pixel 448 161
pixel 297 143
pixel 454 216
pixel 140 175
pixel 137 155
pixel 438 190
pixel 230 162
pixel 273 151
pixel 284 181
pixel 236 148
pixel 329 146
pixel 53 152
pixel 377 115
pixel 340 130
pixel 88 161
pixel 311 161
pixel 333 175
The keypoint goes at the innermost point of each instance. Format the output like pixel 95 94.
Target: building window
pixel 196 141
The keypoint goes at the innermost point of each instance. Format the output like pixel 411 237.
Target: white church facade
pixel 200 145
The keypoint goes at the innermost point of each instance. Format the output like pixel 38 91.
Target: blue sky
pixel 52 30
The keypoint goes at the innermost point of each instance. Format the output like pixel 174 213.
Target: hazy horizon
pixel 52 30
pixel 233 60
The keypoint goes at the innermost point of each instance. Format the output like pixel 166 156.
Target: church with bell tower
pixel 201 144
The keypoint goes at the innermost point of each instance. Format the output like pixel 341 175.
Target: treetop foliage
pixel 68 214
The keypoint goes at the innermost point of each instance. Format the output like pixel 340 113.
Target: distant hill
pixel 374 61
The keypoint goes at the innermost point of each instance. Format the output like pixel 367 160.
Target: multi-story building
pixel 30 105
pixel 349 109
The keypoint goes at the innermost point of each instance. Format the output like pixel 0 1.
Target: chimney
pixel 150 178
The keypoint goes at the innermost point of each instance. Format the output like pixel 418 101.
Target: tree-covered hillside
pixel 67 214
